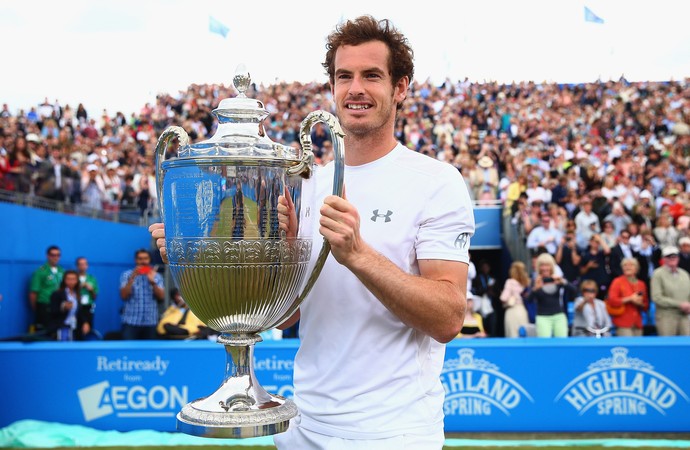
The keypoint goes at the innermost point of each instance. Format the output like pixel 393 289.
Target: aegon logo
pixel 102 399
pixel 620 385
pixel 475 387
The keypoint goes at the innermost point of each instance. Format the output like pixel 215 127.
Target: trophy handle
pixel 337 136
pixel 161 147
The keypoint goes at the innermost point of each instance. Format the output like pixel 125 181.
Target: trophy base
pixel 274 418
pixel 240 407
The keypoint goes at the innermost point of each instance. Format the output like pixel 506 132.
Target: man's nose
pixel 356 86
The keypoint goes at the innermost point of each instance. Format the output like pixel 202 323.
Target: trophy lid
pixel 240 131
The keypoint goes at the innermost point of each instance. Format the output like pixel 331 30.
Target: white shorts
pixel 298 438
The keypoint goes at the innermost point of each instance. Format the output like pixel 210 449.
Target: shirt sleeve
pixel 448 222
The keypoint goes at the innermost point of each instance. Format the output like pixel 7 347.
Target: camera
pixel 144 270
pixel 548 280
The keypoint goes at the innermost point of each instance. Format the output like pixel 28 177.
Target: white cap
pixel 669 250
pixel 92 167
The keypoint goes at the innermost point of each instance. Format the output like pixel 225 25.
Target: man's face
pixel 54 257
pixel 364 95
pixel 671 261
pixel 143 259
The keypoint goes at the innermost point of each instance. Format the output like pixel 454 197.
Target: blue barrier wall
pixel 498 385
pixel 26 233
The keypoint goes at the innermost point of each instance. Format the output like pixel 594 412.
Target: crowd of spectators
pixel 579 168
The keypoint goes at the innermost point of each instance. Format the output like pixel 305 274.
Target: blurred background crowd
pixel 583 172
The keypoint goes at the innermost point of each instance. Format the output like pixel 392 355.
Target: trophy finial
pixel 242 79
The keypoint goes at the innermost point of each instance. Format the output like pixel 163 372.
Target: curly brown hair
pixel 365 29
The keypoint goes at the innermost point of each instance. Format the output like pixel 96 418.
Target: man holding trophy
pixel 392 292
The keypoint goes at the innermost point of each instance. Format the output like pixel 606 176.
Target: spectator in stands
pixel 513 295
pixel 141 289
pixel 644 212
pixel 608 234
pixel 591 317
pixel 623 249
pixel 112 186
pixel 551 295
pixel 69 321
pixel 473 325
pixel 559 193
pixel 628 299
pixel 635 240
pixel 128 201
pixel 618 217
pixel 665 233
pixel 531 215
pixel 684 254
pixel 92 188
pixel 536 192
pixel 517 187
pixel 671 293
pixel 54 176
pixel 178 321
pixel 44 281
pixel 586 223
pixel 568 256
pixel 544 236
pixel 88 289
pixel 559 216
pixel 484 289
pixel 20 167
pixel 144 184
pixel 484 179
pixel 594 263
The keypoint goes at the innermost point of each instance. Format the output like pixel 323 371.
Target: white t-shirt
pixel 360 372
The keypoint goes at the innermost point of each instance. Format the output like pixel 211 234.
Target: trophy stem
pixel 240 407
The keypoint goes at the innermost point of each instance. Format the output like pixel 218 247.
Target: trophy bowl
pixel 238 271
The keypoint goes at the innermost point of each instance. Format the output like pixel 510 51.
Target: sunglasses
pixel 589 290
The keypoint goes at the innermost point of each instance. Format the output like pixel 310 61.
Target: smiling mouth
pixel 358 107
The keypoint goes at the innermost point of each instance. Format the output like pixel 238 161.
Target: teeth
pixel 358 106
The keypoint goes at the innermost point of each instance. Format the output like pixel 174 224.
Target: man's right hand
pixel 157 231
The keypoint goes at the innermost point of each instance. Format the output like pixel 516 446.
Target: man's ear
pixel 401 89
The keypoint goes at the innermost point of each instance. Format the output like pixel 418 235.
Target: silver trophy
pixel 236 269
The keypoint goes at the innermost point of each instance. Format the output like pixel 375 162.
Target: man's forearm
pixel 435 307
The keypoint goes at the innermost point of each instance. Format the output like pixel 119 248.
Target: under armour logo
pixel 462 240
pixel 376 215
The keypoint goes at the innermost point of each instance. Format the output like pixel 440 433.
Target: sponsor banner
pixel 575 384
